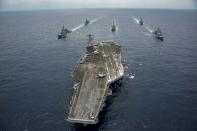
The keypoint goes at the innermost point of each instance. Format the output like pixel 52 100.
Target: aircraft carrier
pixel 97 69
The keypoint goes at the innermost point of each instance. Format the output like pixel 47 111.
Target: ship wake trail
pixel 91 22
pixel 136 20
pixel 78 27
pixel 148 29
pixel 96 19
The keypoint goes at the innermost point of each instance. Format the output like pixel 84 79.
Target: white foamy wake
pixel 148 29
pixel 132 76
pixel 96 19
pixel 136 20
pixel 78 27
pixel 82 25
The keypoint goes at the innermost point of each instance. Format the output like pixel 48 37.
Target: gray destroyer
pixel 63 33
pixel 97 69
pixel 158 34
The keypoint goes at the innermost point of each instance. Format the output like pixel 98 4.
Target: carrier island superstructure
pixel 97 69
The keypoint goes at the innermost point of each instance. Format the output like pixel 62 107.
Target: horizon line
pixel 45 9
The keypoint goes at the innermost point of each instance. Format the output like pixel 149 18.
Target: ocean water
pixel 158 92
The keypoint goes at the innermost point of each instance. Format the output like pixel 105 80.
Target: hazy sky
pixel 58 4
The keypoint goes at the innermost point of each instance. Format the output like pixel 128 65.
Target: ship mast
pixel 90 39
